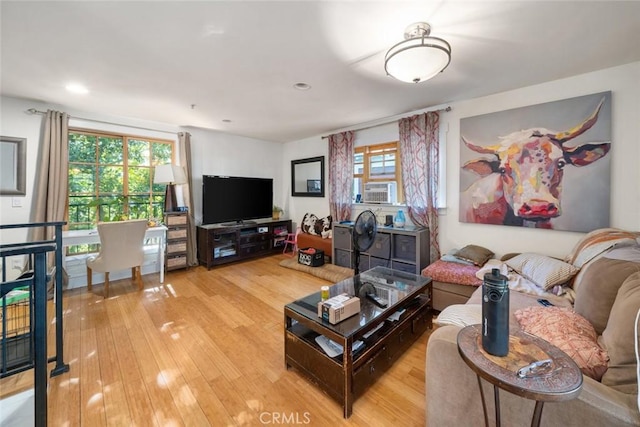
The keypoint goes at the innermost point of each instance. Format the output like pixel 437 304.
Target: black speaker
pixel 388 220
pixel 495 313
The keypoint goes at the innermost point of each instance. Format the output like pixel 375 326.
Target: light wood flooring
pixel 204 348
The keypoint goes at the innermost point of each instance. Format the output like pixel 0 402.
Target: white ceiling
pixel 239 60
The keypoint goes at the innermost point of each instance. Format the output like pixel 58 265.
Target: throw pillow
pixel 619 338
pixel 460 315
pixel 568 331
pixel 599 283
pixel 309 223
pixel 324 227
pixel 475 254
pixel 544 271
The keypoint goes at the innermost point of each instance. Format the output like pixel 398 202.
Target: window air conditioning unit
pixel 380 192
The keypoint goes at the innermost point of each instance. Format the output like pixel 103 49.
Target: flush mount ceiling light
pixel 77 88
pixel 419 57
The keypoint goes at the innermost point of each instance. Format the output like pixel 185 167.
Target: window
pixel 111 178
pixel 377 164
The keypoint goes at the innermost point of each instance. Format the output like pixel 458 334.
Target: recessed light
pixel 302 86
pixel 77 88
pixel 226 120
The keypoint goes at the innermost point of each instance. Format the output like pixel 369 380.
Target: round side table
pixel 563 382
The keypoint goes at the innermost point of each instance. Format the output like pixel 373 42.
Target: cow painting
pixel 520 178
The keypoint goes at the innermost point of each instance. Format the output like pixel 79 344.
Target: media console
pixel 221 244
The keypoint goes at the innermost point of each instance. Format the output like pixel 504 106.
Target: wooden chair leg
pixel 137 274
pixel 89 278
pixel 106 284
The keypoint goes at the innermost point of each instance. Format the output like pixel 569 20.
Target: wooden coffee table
pixel 385 333
pixel 564 382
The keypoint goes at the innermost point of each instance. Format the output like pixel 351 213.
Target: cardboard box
pixel 338 308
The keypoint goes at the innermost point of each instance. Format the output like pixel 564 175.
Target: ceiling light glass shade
pixel 419 57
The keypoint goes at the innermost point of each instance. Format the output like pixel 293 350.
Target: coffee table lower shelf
pixel 347 376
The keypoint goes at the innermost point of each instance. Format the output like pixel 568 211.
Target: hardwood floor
pixel 205 348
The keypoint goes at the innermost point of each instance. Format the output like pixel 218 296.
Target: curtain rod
pixel 34 111
pixel 391 120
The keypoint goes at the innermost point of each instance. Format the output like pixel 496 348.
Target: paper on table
pixel 332 348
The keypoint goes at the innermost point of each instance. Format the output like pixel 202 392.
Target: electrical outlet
pixel 16 202
pixel 16 264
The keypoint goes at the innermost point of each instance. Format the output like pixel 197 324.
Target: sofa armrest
pixel 453 396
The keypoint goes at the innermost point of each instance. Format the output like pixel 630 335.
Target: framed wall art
pixel 13 166
pixel 542 166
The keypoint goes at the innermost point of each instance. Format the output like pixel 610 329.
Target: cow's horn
pixel 479 149
pixel 562 137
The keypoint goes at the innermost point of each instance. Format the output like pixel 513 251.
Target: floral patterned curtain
pixel 340 175
pixel 419 151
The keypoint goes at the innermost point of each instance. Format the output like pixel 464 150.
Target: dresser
pixel 176 255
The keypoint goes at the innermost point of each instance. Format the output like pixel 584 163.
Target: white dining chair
pixel 121 247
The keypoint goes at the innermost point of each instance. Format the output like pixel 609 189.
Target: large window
pixel 376 171
pixel 111 177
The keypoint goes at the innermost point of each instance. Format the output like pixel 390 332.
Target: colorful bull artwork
pixel 522 178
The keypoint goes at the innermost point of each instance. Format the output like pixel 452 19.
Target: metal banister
pixel 60 366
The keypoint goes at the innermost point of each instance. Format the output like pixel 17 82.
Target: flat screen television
pixel 233 199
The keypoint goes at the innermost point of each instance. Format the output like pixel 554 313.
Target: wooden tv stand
pixel 221 244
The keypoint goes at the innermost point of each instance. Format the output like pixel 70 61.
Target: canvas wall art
pixel 542 166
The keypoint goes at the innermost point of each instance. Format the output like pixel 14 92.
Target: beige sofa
pixel 607 294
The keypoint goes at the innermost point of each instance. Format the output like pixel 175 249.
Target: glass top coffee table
pixel 343 359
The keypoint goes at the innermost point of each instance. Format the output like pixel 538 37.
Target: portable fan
pixel 364 234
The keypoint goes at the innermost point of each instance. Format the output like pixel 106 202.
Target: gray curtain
pixel 52 175
pixel 184 146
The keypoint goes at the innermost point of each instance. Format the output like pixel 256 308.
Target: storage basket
pixel 311 259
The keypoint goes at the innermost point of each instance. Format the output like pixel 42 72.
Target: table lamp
pixel 170 175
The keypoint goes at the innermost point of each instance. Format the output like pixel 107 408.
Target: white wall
pixel 296 207
pixel 218 153
pixel 623 81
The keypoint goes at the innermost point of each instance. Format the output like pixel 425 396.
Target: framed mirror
pixel 307 177
pixel 13 166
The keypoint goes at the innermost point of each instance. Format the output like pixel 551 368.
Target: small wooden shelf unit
pixel 177 224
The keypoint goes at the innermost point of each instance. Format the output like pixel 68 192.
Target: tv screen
pixel 235 199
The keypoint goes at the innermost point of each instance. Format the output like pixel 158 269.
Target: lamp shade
pixel 419 57
pixel 169 174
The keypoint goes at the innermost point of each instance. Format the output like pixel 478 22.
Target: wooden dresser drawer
pixel 176 220
pixel 176 247
pixel 177 233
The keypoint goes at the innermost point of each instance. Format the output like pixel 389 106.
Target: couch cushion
pixel 568 331
pixel 598 285
pixel 474 254
pixel 311 224
pixel 451 272
pixel 619 337
pixel 544 271
pixel 460 315
pixel 597 242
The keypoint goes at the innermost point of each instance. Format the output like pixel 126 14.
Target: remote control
pixel 377 300
pixel 545 302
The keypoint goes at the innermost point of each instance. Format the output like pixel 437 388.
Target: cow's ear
pixel 482 167
pixel 586 154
